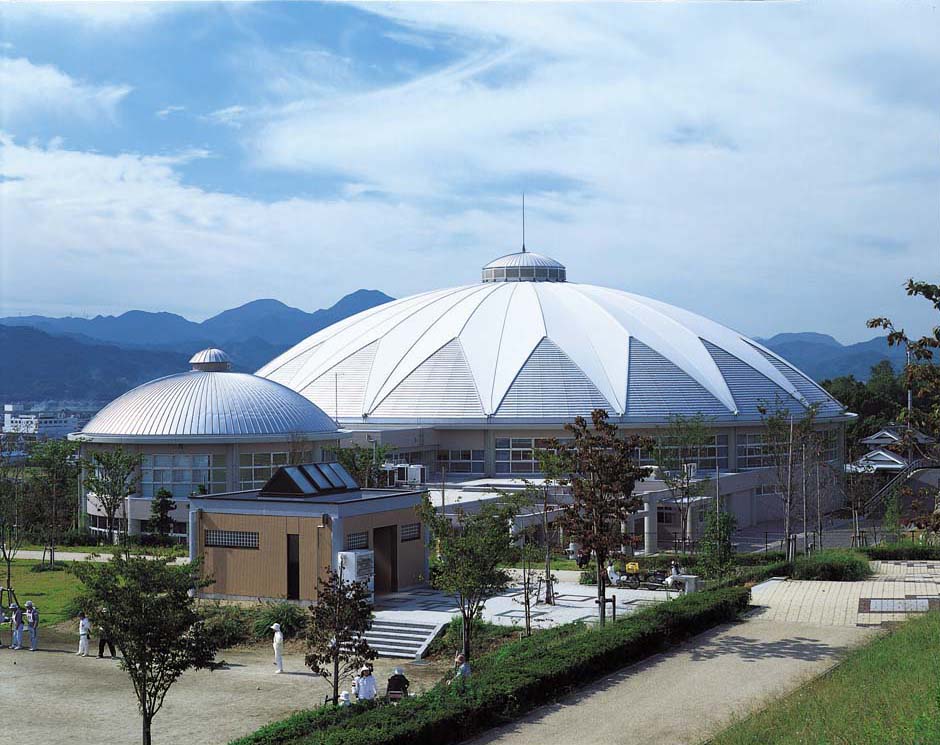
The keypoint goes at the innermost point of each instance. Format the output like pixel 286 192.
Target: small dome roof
pixel 524 266
pixel 208 405
pixel 211 360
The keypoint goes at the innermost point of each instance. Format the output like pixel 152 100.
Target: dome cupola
pixel 524 266
pixel 211 360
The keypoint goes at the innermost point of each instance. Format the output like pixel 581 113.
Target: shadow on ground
pixel 795 648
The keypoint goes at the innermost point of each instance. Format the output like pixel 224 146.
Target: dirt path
pixel 55 698
pixel 690 693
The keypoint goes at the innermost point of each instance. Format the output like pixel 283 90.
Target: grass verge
pixel 886 692
pixel 52 592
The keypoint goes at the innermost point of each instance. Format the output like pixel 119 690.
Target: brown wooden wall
pixel 410 554
pixel 262 573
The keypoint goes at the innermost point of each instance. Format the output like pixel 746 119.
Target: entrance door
pixel 385 542
pixel 293 567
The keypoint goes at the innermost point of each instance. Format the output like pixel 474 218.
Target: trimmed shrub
pixel 293 619
pixel 749 576
pixel 77 537
pixel 833 565
pixel 518 676
pixel 60 566
pixel 902 552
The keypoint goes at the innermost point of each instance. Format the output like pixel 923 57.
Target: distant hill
pixel 270 321
pixel 37 366
pixel 821 357
pixel 97 359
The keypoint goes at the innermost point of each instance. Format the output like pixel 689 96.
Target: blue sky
pixel 774 166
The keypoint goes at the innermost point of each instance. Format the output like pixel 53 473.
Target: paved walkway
pixel 896 589
pixel 723 673
pixel 105 555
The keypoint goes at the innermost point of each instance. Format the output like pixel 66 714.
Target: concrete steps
pixel 392 638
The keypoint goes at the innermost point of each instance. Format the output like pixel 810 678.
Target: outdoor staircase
pixel 393 638
pixel 921 464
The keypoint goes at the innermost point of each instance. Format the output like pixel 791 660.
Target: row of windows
pixel 549 273
pixel 357 541
pixel 461 461
pixel 231 539
pixel 517 454
pixel 254 469
pixel 706 458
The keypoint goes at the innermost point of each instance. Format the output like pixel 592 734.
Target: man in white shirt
pixel 278 648
pixel 84 631
pixel 364 686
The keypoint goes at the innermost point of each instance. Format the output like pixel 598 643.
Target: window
pixel 664 515
pixel 356 541
pixel 706 458
pixel 231 539
pixel 461 461
pixel 254 469
pixel 411 532
pixel 182 474
pixel 753 451
pixel 517 454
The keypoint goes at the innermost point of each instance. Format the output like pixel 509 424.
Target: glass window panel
pixel 163 461
pixel 465 455
pixel 244 459
pixel 160 476
pixel 146 461
pixel 201 461
pixel 182 461
pixel 502 442
pixel 499 273
pixel 512 272
pixel 313 473
pixel 219 460
pixel 502 455
pixel 146 490
pixel 502 468
pixel 459 467
pixel 200 476
pixel 522 442
pixel 335 481
pixel 279 459
pixel 182 477
pixel 527 272
pixel 541 272
pixel 262 459
pixel 262 474
pixel 146 476
pixel 524 467
pixel 477 454
pixel 476 466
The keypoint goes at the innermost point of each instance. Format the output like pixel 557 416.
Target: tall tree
pixel 677 450
pixel 336 647
pixel 147 608
pixel 58 464
pixel 603 476
pixel 363 464
pixel 111 477
pixel 717 550
pixel 472 550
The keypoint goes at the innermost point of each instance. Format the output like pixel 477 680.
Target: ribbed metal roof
pixel 209 406
pixel 523 258
pixel 211 359
pixel 505 352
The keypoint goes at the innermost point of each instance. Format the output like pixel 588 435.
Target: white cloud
pixel 32 90
pixel 167 111
pixel 230 116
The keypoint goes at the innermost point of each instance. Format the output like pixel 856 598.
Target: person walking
pixel 364 686
pixel 104 638
pixel 84 631
pixel 278 648
pixel 32 623
pixel 16 623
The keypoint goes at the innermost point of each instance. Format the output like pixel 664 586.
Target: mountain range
pixel 95 359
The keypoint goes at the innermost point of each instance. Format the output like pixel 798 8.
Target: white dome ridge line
pixel 714 383
pixel 497 395
pixel 399 373
pixel 374 389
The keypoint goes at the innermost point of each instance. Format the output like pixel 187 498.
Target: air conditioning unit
pixel 358 566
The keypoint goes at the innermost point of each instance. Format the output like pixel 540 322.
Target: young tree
pixel 717 551
pixel 160 521
pixel 336 646
pixel 784 437
pixel 471 554
pixel 603 476
pixel 147 608
pixel 554 466
pixel 111 477
pixel 681 444
pixel 12 489
pixel 892 519
pixel 57 462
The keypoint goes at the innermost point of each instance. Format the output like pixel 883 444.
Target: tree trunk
pixel 549 590
pixel 601 594
pixel 335 680
pixel 467 623
pixel 145 736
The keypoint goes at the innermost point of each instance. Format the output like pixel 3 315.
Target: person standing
pixel 278 648
pixel 32 623
pixel 104 638
pixel 84 631
pixel 364 686
pixel 17 625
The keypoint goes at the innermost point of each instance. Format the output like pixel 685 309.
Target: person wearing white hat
pixel 344 698
pixel 32 623
pixel 84 631
pixel 364 686
pixel 278 648
pixel 17 625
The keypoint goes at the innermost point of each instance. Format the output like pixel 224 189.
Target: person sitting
pixel 672 580
pixel 344 699
pixel 397 684
pixel 364 686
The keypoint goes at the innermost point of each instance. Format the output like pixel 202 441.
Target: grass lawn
pixel 181 550
pixel 50 591
pixel 887 692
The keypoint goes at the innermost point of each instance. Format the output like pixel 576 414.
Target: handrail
pixel 903 475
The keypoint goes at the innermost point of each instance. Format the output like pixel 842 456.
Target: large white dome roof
pixel 210 404
pixel 516 351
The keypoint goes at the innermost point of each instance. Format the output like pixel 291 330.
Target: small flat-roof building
pixel 278 541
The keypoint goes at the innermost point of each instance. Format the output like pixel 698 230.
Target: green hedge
pixel 752 575
pixel 517 677
pixel 902 552
pixel 834 565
